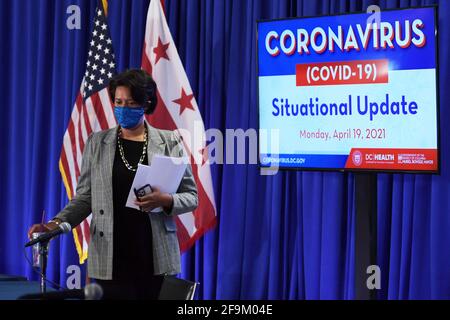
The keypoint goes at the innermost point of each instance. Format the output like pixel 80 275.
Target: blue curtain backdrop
pixel 289 236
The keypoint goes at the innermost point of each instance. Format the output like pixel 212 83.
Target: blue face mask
pixel 128 117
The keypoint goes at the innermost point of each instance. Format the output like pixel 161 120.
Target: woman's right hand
pixel 41 228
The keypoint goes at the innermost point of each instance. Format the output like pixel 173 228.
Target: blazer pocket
pixel 170 225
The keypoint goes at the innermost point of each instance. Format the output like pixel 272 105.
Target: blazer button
pixel 102 212
pixel 101 233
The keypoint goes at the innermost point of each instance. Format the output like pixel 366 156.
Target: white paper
pixel 165 173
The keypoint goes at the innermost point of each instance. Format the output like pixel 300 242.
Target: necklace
pixel 122 154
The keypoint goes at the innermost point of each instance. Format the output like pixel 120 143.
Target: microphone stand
pixel 43 253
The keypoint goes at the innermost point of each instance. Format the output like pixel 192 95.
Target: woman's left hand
pixel 154 200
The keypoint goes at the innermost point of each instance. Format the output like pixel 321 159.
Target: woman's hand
pixel 41 228
pixel 154 200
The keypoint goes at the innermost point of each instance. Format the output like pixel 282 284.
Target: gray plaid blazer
pixel 94 194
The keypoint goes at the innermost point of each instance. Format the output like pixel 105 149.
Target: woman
pixel 129 250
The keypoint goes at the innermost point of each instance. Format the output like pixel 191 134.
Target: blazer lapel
pixel 155 144
pixel 107 153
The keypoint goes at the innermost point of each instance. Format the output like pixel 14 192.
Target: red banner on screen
pixel 393 159
pixel 343 72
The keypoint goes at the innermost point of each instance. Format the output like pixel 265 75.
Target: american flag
pixel 93 111
pixel 177 109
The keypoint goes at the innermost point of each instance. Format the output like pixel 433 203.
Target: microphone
pixel 92 291
pixel 62 228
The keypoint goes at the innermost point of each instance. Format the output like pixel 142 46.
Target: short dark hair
pixel 142 88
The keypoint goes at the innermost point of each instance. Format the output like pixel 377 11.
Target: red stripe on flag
pixel 80 140
pixel 79 234
pixel 183 235
pixel 86 231
pixel 65 166
pixel 81 110
pixel 72 137
pixel 71 131
pixel 87 125
pixel 111 103
pixel 98 108
pixel 79 101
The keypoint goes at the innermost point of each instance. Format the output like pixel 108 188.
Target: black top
pixel 132 233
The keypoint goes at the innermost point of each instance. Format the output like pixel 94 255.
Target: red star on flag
pixel 161 50
pixel 184 101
